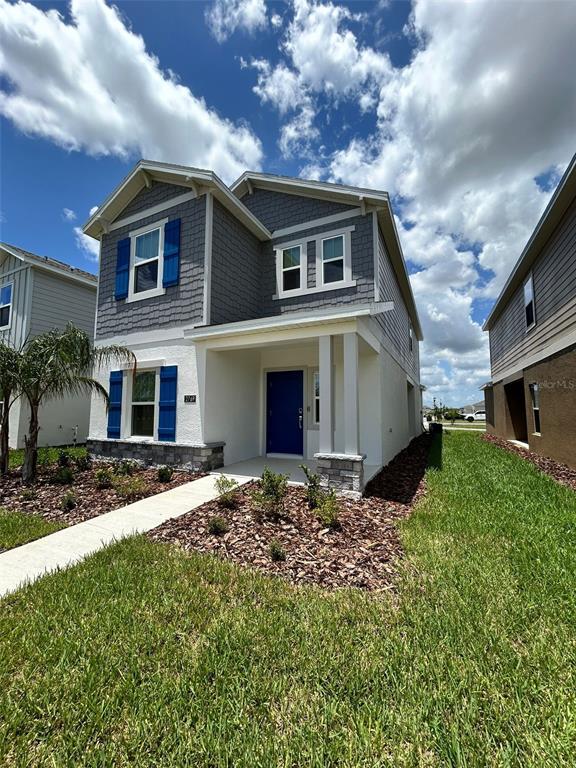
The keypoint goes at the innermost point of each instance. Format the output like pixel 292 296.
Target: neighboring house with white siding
pixel 270 319
pixel 39 294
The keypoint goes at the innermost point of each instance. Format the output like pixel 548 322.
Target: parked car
pixel 477 416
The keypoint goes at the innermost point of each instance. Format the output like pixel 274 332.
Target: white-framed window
pixel 411 339
pixel 6 305
pixel 529 308
pixel 291 262
pixel 535 397
pixel 334 260
pixel 316 397
pixel 146 262
pixel 144 406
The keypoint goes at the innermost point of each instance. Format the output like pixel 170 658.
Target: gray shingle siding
pixel 554 279
pixel 362 271
pixel 158 193
pixel 277 210
pixel 396 323
pixel 182 303
pixel 236 262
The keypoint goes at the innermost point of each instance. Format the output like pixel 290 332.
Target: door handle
pixel 300 421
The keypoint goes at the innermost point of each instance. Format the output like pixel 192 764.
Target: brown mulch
pixel 363 553
pixel 90 500
pixel 560 472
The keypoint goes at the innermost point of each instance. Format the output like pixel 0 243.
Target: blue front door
pixel 285 412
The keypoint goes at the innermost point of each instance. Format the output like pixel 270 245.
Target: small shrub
pixel 165 474
pixel 104 477
pixel 68 501
pixel 218 526
pixel 83 462
pixel 226 488
pixel 126 467
pixel 64 476
pixel 327 511
pixel 269 498
pixel 64 458
pixel 130 488
pixel 313 492
pixel 28 494
pixel 277 551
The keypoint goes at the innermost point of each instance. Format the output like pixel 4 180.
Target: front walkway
pixel 64 548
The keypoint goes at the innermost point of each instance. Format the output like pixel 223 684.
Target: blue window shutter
pixel 115 404
pixel 171 274
pixel 167 405
pixel 122 268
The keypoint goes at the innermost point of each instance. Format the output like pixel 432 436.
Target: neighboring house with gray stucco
pixel 38 294
pixel 272 318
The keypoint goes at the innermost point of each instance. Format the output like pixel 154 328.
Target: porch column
pixel 326 442
pixel 351 442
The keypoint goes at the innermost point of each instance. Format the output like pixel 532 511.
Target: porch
pixel 252 469
pixel 279 396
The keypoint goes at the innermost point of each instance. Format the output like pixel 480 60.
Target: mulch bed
pixel 91 501
pixel 560 472
pixel 363 553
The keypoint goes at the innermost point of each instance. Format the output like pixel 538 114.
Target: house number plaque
pixel 189 398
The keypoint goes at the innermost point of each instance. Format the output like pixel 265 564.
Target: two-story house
pixel 273 318
pixel 532 329
pixel 38 294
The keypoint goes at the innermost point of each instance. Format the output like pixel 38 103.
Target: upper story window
pixel 411 339
pixel 529 311
pixel 5 306
pixel 146 262
pixel 333 259
pixel 292 268
pixel 333 264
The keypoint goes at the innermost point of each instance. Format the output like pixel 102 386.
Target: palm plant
pixel 57 364
pixel 10 359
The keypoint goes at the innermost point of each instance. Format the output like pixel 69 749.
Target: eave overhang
pixel 196 180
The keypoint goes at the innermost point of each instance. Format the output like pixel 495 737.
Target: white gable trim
pixel 152 211
pixel 316 223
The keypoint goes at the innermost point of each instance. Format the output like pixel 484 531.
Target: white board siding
pixel 57 301
pixel 13 271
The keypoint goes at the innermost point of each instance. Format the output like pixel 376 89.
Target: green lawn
pixel 45 455
pixel 143 655
pixel 16 528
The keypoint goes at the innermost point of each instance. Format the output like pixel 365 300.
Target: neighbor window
pixel 291 268
pixel 5 305
pixel 316 397
pixel 411 339
pixel 535 396
pixel 143 403
pixel 529 303
pixel 333 259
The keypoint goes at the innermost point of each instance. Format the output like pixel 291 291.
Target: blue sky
pixel 453 108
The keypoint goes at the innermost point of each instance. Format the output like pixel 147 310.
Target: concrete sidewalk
pixel 28 562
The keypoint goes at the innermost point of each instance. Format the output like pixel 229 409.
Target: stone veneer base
pixel 342 472
pixel 196 457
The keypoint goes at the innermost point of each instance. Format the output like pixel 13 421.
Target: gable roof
pixel 50 265
pixel 559 202
pixel 362 196
pixel 196 180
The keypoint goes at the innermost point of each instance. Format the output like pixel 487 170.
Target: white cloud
pixel 324 56
pixel 91 85
pixel 68 214
pixel 93 210
pixel 224 17
pixel 481 110
pixel 276 20
pixel 89 246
